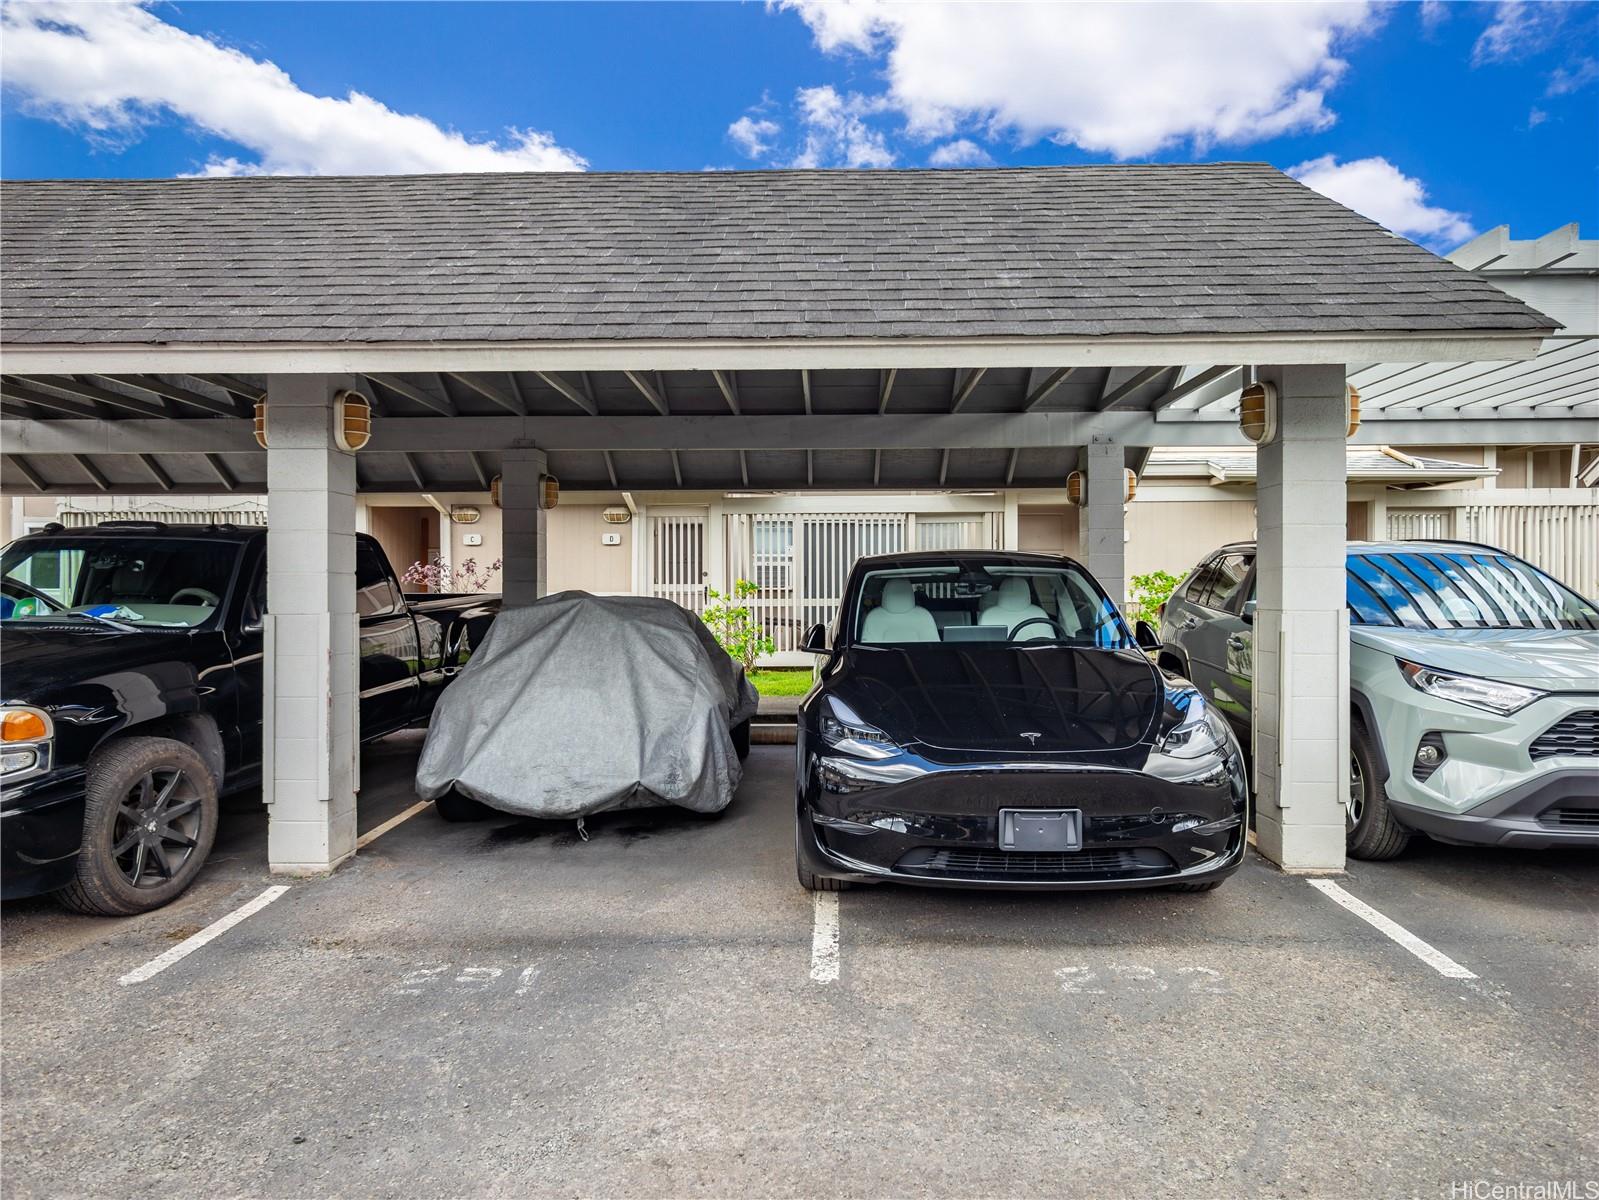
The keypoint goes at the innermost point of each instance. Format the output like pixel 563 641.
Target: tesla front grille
pixel 981 864
pixel 1576 734
pixel 1570 818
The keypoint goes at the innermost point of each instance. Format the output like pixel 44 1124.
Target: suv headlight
pixel 25 737
pixel 845 731
pixel 1490 694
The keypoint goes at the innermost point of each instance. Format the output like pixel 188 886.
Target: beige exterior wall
pixel 1172 535
pixel 1047 530
pixel 578 558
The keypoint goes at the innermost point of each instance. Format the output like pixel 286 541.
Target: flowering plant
pixel 436 575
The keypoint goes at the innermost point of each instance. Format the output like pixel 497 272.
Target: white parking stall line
pixel 366 839
pixel 190 944
pixel 824 937
pixel 1431 955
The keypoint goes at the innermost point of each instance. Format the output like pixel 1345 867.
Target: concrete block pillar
pixel 522 526
pixel 310 738
pixel 1301 630
pixel 1104 517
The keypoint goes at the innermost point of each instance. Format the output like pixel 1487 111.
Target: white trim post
pixel 1104 519
pixel 310 736
pixel 1301 629
pixel 522 521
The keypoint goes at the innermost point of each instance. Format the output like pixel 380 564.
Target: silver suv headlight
pixel 1489 694
pixel 26 736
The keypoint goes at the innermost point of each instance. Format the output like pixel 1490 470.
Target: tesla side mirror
pixel 1248 614
pixel 1146 637
pixel 815 640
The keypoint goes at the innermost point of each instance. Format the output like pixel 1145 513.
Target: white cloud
pixel 111 69
pixel 1433 14
pixel 1517 30
pixel 1563 81
pixel 1127 79
pixel 1375 188
pixel 963 152
pixel 753 135
pixel 836 135
pixel 1536 117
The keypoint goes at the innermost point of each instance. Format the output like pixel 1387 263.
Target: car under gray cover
pixel 580 704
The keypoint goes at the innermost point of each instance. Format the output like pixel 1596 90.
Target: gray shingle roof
pixel 1063 251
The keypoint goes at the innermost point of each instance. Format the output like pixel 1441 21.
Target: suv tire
pixel 1377 833
pixel 157 800
pixel 741 740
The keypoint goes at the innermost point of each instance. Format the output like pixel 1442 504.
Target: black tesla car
pixel 986 719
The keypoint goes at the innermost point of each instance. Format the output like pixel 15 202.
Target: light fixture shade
pixel 616 516
pixel 1354 410
pixel 1074 489
pixel 1257 412
pixel 494 491
pixel 1132 485
pixel 465 514
pixel 260 424
pixel 352 421
pixel 549 491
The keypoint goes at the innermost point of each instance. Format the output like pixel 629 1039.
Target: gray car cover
pixel 577 704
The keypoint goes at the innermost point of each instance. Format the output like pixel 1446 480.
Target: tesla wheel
pixel 1207 885
pixel 149 818
pixel 1372 830
pixel 454 807
pixel 741 740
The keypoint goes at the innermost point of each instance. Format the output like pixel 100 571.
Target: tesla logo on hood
pixel 1032 738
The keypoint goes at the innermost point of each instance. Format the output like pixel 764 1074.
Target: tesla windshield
pixel 1425 589
pixel 971 603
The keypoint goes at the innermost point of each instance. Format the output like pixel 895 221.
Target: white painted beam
pixel 711 354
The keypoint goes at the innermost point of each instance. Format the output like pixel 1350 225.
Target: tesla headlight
pixel 25 735
pixel 1201 732
pixel 845 731
pixel 1490 694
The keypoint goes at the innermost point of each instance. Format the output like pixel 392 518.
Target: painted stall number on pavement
pixel 1131 979
pixel 467 979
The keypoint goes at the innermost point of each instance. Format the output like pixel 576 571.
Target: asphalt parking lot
pixel 661 1011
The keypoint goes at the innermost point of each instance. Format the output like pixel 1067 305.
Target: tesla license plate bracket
pixel 1039 829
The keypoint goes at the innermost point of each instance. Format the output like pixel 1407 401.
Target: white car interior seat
pixel 1015 605
pixel 899 618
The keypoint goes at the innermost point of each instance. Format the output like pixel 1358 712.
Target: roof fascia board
pixel 771 354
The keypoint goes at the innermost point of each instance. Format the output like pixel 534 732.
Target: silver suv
pixel 1474 684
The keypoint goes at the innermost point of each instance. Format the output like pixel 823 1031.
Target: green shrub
pixel 1148 592
pixel 733 625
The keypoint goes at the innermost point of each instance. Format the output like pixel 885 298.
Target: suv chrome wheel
pixel 1357 794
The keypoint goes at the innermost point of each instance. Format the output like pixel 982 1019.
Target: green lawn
pixel 775 682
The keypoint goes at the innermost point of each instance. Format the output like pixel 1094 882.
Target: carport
pixel 793 330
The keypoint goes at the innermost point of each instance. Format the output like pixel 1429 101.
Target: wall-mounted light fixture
pixel 1257 412
pixel 352 421
pixel 465 514
pixel 616 516
pixel 1354 410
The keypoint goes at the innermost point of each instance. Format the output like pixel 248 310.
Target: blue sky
pixel 1437 119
